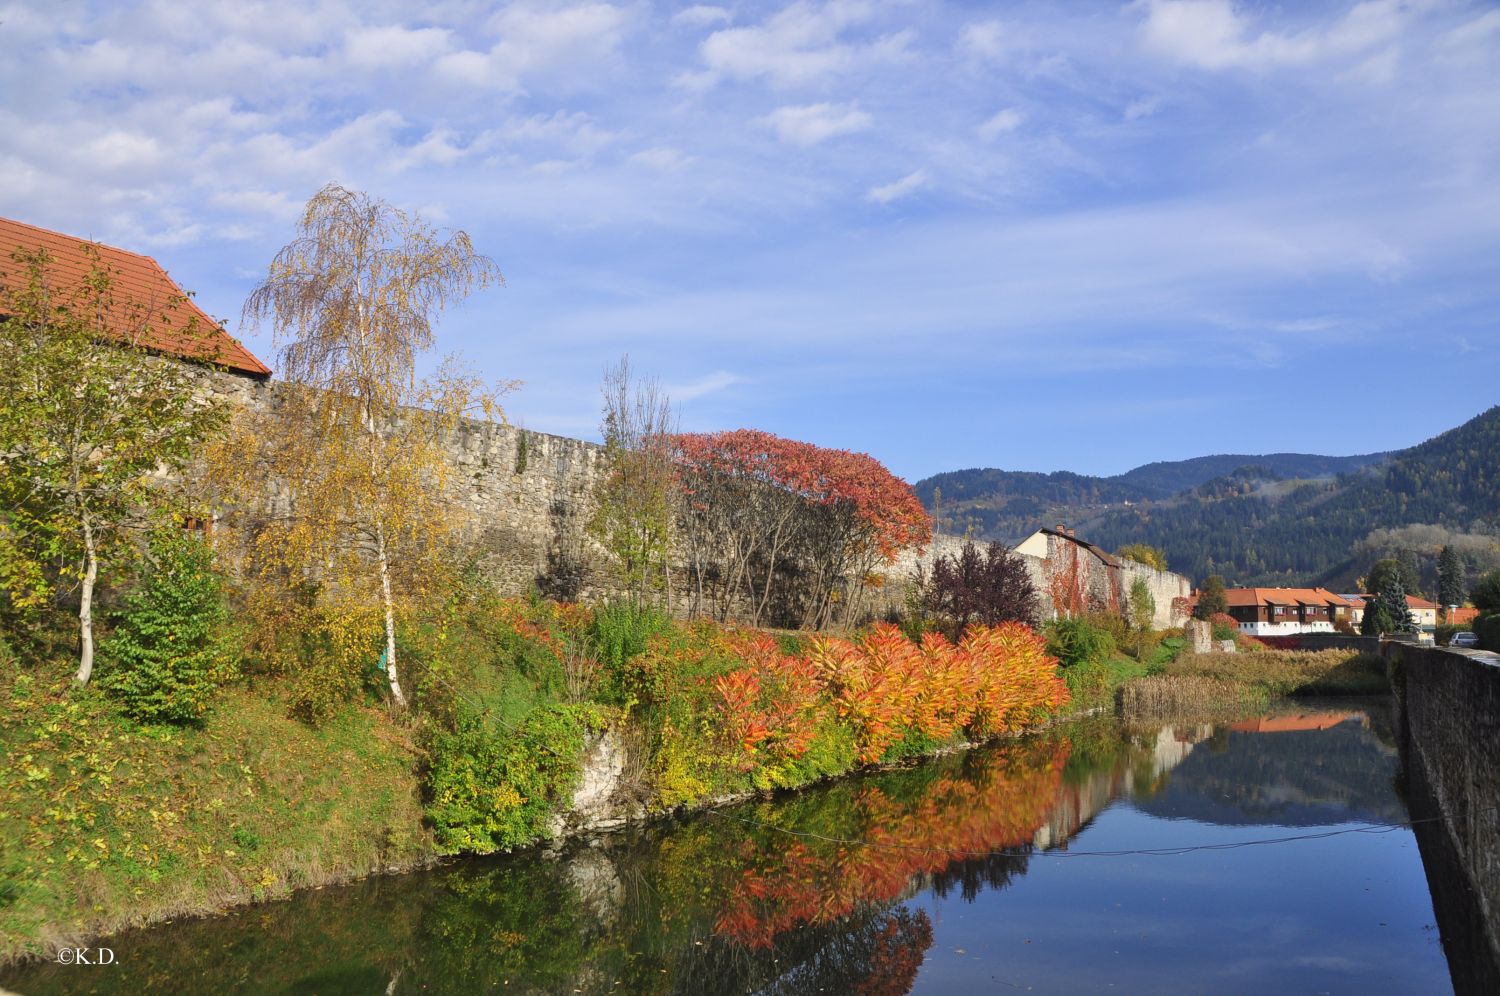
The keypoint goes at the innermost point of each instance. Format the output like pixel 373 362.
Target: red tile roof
pixel 140 281
pixel 1283 596
pixel 1290 724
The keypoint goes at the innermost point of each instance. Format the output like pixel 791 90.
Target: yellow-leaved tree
pixel 349 461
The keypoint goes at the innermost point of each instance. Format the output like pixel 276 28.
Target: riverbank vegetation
pixel 1228 682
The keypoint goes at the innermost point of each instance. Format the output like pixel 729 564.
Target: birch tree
pixel 357 441
pixel 90 427
pixel 637 499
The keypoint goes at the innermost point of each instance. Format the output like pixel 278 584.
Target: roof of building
pixel 1293 724
pixel 1070 536
pixel 1412 601
pixel 1461 615
pixel 1283 596
pixel 184 331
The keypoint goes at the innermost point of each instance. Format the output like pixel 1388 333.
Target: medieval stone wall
pixel 524 499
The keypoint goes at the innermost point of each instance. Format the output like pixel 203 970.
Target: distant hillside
pixel 1162 480
pixel 1009 505
pixel 1265 520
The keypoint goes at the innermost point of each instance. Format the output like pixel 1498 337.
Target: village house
pixel 1424 612
pixel 1287 611
pixel 150 312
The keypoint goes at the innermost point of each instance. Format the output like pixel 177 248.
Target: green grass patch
pixel 107 823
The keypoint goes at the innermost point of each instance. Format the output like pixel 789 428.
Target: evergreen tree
pixel 1388 611
pixel 1393 568
pixel 1450 578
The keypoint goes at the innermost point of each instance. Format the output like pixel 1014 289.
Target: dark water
pixel 724 903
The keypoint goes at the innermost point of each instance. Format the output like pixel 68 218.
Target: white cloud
pixel 989 40
pixel 1212 34
pixel 897 189
pixel 664 159
pixel 700 16
pixel 1007 120
pixel 814 123
pixel 571 132
pixel 439 147
pixel 800 44
pixel 394 46
pixel 1141 107
pixel 705 385
pixel 573 41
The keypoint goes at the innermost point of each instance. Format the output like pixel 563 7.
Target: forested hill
pixel 1162 480
pixel 1259 524
pixel 1009 505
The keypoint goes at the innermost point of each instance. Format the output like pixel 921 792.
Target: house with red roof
pixel 1287 611
pixel 150 310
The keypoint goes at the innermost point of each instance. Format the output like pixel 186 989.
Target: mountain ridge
pixel 1257 519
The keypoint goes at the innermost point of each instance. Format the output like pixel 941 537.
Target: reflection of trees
pixel 711 904
pixel 995 802
pixel 873 951
pixel 1286 778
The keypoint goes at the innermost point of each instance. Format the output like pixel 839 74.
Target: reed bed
pixel 1225 683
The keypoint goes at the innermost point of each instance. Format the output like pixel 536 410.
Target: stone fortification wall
pixel 1449 723
pixel 526 507
pixel 1167 590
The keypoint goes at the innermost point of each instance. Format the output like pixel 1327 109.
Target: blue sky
pixel 1034 235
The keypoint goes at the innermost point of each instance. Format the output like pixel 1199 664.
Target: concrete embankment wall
pixel 1449 723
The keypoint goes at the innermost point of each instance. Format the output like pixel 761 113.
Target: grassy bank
pixel 1215 683
pixel 106 822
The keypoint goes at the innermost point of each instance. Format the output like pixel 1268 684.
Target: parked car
pixel 1464 640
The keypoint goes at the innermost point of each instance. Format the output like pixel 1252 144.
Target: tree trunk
pixel 390 619
pixel 86 604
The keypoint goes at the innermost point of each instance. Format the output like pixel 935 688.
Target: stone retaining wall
pixel 1449 723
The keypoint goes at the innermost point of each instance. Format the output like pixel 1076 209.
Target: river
pixel 1232 857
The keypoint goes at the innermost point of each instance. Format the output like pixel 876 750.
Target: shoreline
pixel 570 835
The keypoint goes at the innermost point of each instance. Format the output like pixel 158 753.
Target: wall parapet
pixel 1449 721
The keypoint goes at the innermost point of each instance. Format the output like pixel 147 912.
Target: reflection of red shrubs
pixel 790 881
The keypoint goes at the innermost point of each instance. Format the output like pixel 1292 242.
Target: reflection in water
pixel 724 902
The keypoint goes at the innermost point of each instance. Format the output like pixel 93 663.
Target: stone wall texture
pixel 1449 703
pixel 528 512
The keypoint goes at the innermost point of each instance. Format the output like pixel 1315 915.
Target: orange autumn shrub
pixel 885 687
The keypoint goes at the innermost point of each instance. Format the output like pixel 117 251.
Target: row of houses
pixel 1290 611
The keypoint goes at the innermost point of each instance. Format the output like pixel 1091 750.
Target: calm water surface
pixel 725 903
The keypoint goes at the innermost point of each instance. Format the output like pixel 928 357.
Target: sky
pixel 1035 236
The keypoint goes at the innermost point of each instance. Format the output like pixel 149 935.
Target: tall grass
pixel 1198 684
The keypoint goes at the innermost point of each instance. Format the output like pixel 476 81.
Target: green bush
pixel 1092 683
pixel 619 632
pixel 169 652
pixel 1166 652
pixel 1076 640
pixel 1486 593
pixel 1488 628
pixel 493 788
